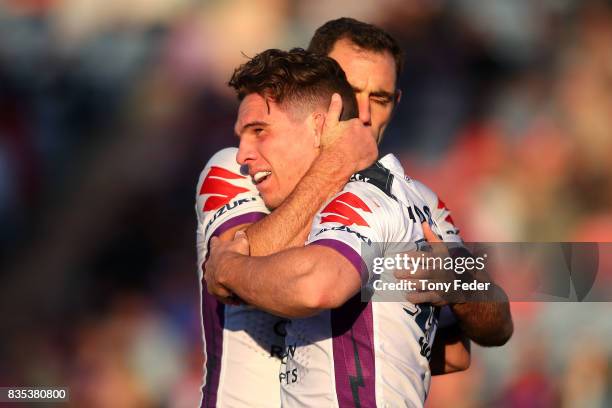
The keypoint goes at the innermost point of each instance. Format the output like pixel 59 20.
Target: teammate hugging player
pixel 342 351
pixel 241 342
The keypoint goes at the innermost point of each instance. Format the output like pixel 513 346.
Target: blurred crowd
pixel 110 109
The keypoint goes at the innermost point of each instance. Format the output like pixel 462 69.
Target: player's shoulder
pixel 439 211
pixel 366 195
pixel 224 158
pixel 369 193
pixel 374 178
pixel 222 165
pixel 427 193
pixel 365 210
pixel 222 182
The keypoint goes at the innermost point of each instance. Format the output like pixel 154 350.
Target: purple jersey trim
pixel 213 314
pixel 247 218
pixel 353 347
pixel 349 253
pixel 353 340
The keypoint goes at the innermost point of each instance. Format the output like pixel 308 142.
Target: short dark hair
pixel 366 36
pixel 294 77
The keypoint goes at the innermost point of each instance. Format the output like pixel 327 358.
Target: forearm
pixel 288 225
pixel 484 316
pixel 487 322
pixel 293 283
pixel 450 352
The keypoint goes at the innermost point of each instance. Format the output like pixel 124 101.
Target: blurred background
pixel 109 110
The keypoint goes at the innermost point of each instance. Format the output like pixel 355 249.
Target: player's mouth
pixel 261 176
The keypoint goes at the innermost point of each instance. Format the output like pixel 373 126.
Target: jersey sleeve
pixel 225 198
pixel 355 222
pixel 439 213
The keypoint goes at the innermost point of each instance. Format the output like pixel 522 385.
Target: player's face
pixel 372 76
pixel 277 145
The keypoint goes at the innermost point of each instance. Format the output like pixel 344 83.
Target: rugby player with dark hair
pixel 279 97
pixel 341 351
pixel 247 340
pixel 373 61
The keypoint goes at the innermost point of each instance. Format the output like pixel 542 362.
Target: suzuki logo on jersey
pixel 346 229
pixel 342 210
pixel 228 207
pixel 219 190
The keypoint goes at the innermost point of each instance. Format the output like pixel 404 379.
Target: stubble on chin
pixel 269 202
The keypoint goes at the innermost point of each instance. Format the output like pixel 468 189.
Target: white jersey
pixel 367 353
pixel 243 345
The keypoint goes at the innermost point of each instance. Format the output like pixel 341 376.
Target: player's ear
pixel 318 121
pixel 398 97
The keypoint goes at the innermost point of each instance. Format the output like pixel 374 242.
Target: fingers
pixel 409 274
pixel 425 297
pixel 229 300
pixel 419 297
pixel 429 234
pixel 334 111
pixel 402 274
pixel 439 249
pixel 218 291
pixel 421 272
pixel 214 241
pixel 240 244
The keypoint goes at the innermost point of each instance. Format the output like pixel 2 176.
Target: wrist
pixel 459 309
pixel 227 266
pixel 465 306
pixel 335 165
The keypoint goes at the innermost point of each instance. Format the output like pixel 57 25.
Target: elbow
pixel 316 295
pixel 499 337
pixel 506 332
pixel 506 326
pixel 462 364
pixel 326 285
pixel 306 305
pixel 467 363
pixel 462 355
pixel 466 360
pixel 328 299
pixel 306 300
pixel 314 298
pixel 459 361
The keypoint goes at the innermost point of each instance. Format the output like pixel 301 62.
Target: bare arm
pixel 450 352
pixel 297 282
pixel 484 316
pixel 346 147
pixel 487 323
pixel 288 225
pixel 486 320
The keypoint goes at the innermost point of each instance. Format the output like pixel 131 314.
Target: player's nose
pixel 365 116
pixel 246 152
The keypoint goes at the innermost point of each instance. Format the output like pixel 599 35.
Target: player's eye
pixel 383 101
